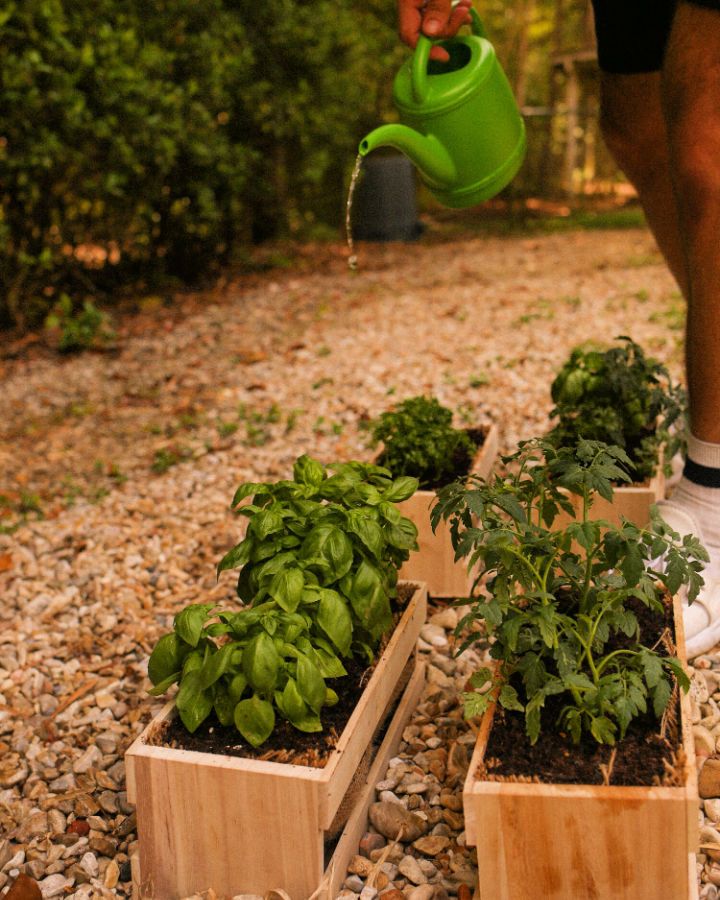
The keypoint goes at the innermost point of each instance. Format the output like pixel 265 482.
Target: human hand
pixel 433 18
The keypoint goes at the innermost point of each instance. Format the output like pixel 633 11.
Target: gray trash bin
pixel 384 206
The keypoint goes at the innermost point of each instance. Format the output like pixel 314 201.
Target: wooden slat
pixel 358 732
pixel 584 841
pixel 434 562
pixel 235 831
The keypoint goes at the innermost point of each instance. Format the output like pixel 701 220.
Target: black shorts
pixel 632 34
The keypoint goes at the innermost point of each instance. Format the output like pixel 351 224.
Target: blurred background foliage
pixel 141 142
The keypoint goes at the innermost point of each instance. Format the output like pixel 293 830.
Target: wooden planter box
pixel 434 562
pixel 576 842
pixel 631 502
pixel 244 826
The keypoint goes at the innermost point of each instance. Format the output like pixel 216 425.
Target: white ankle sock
pixel 698 492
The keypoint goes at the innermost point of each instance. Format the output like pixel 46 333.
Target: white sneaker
pixel 701 618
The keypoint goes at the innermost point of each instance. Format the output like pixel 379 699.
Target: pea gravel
pixel 117 469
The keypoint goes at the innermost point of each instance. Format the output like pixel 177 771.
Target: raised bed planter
pixel 566 842
pixel 247 826
pixel 434 562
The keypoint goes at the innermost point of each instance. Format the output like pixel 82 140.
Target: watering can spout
pixel 425 152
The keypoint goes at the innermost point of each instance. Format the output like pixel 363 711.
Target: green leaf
pixel 268 521
pixel 189 623
pixel 509 699
pixel 475 704
pixel 224 705
pixel 369 532
pixel 633 565
pixel 401 489
pixel 245 490
pixel 480 677
pixel 193 703
pixel 255 719
pixel 287 588
pixel 291 704
pixel 335 620
pixel 310 683
pixel 238 556
pixel 261 662
pixel 167 658
pixel 237 686
pixel 308 471
pixel 402 535
pixel 603 730
pixel 661 695
pixel 652 667
pixel 216 664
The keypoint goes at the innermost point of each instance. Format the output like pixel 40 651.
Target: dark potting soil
pixel 641 758
pixel 286 743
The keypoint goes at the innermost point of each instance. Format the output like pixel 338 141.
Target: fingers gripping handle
pixel 420 83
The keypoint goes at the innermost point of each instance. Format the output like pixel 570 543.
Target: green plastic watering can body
pixel 460 124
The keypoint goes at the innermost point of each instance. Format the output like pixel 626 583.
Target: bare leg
pixel 633 125
pixel 691 93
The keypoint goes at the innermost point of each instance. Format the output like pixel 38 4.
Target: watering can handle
pixel 422 57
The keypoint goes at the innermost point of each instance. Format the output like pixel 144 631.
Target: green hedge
pixel 145 140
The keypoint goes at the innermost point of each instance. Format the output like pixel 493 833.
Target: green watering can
pixel 461 125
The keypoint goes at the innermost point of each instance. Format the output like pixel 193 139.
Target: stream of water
pixel 352 258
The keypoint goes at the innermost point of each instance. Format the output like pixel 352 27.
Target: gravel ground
pixel 118 468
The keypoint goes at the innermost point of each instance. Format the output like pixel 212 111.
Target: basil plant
pixel 318 571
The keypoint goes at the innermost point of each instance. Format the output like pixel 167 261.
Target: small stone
pixel 57 822
pixel 36 868
pixel 126 827
pixel 112 875
pixel 108 802
pixel 78 826
pixel 85 806
pixel 394 821
pixel 354 883
pixel 371 841
pixel 54 885
pixel 410 868
pixel 34 826
pixel 15 861
pixel 392 894
pixel 435 677
pixel 709 780
pixel 97 823
pixel 464 892
pixel 64 783
pixel 368 892
pixel 103 845
pixel 712 873
pixel 389 797
pixel 427 868
pixel 246 897
pixel 387 784
pixel 712 809
pixel 432 844
pixel 90 759
pixel 90 864
pixel 451 801
pixel 24 888
pixel 447 619
pixel 434 742
pixel 126 871
pixel 704 741
pixel 360 865
pixel 434 635
pixel 422 892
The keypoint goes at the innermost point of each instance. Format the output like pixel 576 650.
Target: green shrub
pixel 621 397
pixel 418 440
pixel 142 141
